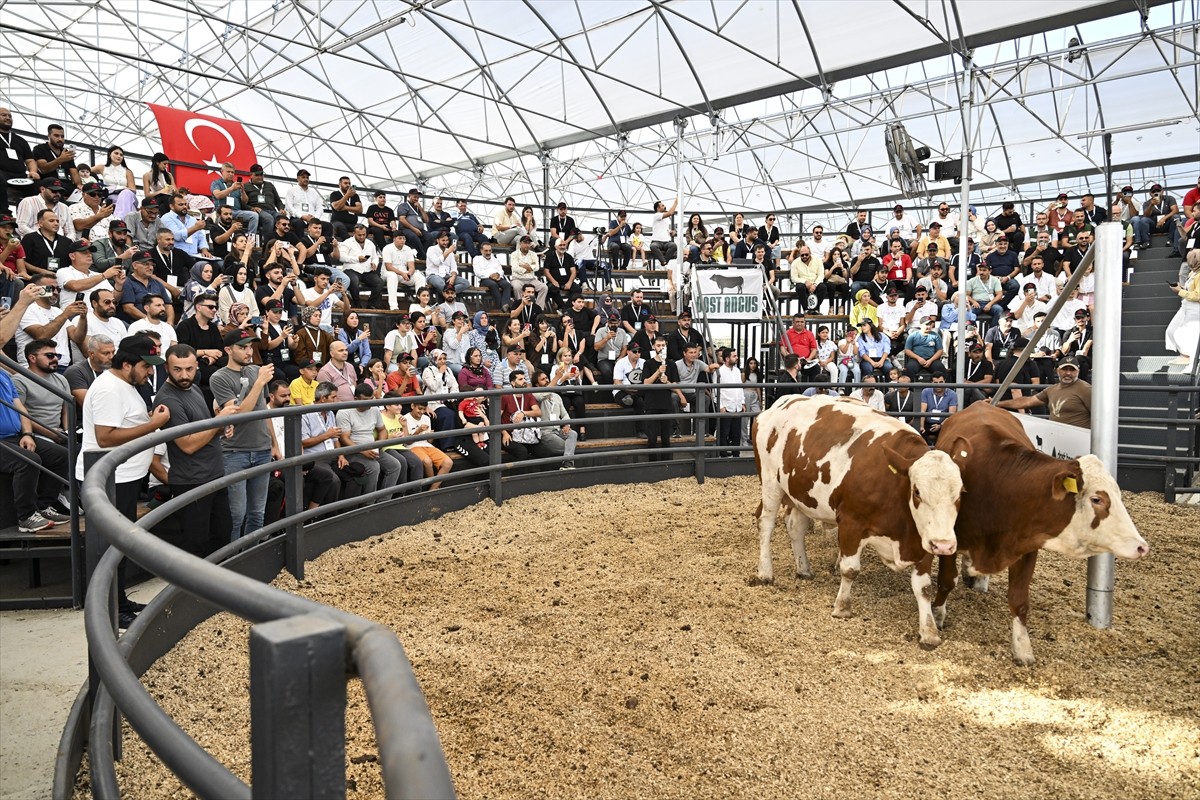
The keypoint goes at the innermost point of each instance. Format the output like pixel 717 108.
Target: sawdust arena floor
pixel 606 643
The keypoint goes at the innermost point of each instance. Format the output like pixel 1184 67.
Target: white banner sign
pixel 1056 438
pixel 731 294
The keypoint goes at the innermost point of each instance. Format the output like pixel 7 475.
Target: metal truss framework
pixel 502 97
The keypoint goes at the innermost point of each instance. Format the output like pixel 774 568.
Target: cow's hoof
pixel 980 584
pixel 929 644
pixel 843 613
pixel 759 580
pixel 804 576
pixel 1024 661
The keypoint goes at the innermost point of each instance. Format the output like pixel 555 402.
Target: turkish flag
pixel 190 138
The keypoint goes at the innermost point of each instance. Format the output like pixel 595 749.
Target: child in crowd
pixel 637 240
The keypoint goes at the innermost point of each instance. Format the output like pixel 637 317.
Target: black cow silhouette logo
pixel 724 282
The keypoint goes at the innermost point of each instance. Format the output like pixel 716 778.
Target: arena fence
pixel 302 652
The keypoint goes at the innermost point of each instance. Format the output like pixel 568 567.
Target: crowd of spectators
pixel 186 305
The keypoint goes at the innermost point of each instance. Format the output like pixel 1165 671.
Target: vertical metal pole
pixel 495 485
pixel 298 708
pixel 701 426
pixel 1106 142
pixel 78 557
pixel 1169 472
pixel 545 159
pixel 293 491
pixel 677 302
pixel 964 206
pixel 1106 380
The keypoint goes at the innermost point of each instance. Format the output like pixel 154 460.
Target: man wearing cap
pixel 1077 343
pixel 114 413
pixel 628 372
pixel 999 339
pixel 414 220
pixel 46 249
pixel 924 265
pixel 684 336
pixel 144 223
pixel 188 231
pixel 918 309
pixel 562 226
pixel 923 351
pixel 984 294
pixel 609 343
pixel 78 275
pixel 360 260
pixel 892 318
pixel 46 320
pixel 251 442
pixel 620 251
pixel 89 218
pixel 303 202
pixel 1058 215
pixel 195 459
pixel 524 267
pixel 49 197
pixel 1069 400
pixel 263 198
pixel 934 283
pixel 443 312
pixel 903 223
pixel 1158 215
pixel 1072 257
pixel 1048 350
pixel 228 190
pixel 932 244
pixel 381 221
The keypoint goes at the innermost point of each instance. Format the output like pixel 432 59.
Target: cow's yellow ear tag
pixel 1070 485
pixel 893 469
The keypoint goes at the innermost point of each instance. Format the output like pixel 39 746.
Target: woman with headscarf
pixel 606 309
pixel 438 378
pixel 204 281
pixel 484 337
pixel 237 290
pixel 863 308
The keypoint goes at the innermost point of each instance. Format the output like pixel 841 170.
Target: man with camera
pixel 279 286
pixel 228 190
pixel 610 343
pixel 91 216
pixel 46 320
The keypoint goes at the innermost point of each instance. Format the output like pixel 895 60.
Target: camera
pixel 599 230
pixel 47 291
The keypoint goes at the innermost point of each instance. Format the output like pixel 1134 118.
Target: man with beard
pixel 1069 400
pixel 46 250
pixel 188 231
pixel 102 319
pixel 16 160
pixel 49 198
pixel 140 284
pixel 222 230
pixel 155 318
pixel 45 320
pixel 114 414
pixel 683 337
pixel 196 458
pixel 202 333
pixel 114 250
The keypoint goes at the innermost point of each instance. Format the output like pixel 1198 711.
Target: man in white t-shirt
pixel 322 295
pixel 102 319
pixel 818 245
pixel 114 413
pixel 45 320
pixel 490 274
pixel 155 319
pixel 77 276
pixel 662 246
pixel 1025 305
pixel 891 316
pixel 400 268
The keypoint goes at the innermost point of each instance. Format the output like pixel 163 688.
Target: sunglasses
pixel 55 356
pixel 206 305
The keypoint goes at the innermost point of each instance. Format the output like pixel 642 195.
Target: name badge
pixel 612 354
pixel 284 354
pixel 320 258
pixel 173 280
pixel 304 207
pixel 62 173
pixel 11 152
pixel 316 357
pixel 52 264
pixel 1191 243
pixel 1133 254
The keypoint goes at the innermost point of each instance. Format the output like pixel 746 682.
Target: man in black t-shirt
pixel 1008 222
pixel 1026 375
pixel 659 369
pixel 346 205
pixel 195 459
pixel 16 161
pixel 381 221
pixel 54 159
pixel 977 370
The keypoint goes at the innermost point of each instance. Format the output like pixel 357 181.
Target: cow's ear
pixel 960 450
pixel 1066 482
pixel 897 463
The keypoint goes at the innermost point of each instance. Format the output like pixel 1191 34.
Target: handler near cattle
pixel 1071 507
pixel 838 460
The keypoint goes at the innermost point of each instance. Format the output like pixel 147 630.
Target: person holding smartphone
pixel 1184 328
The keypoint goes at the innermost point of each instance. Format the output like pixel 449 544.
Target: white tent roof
pixel 466 95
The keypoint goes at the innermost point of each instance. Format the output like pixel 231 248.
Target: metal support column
pixel 495 485
pixel 679 300
pixel 293 490
pixel 1106 384
pixel 298 708
pixel 544 157
pixel 964 207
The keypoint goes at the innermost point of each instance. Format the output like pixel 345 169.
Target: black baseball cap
pixel 1069 361
pixel 52 183
pixel 149 202
pixel 635 348
pixel 237 337
pixel 256 169
pixel 140 348
pixel 935 224
pixel 142 255
pixel 272 305
pixel 303 172
pixel 82 246
pixel 6 219
pixel 117 225
pixel 1081 313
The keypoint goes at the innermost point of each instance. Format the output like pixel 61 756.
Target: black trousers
pixel 33 489
pixel 205 524
pixel 658 434
pixel 729 432
pixel 372 280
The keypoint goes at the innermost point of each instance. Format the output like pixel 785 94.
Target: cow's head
pixel 934 488
pixel 1100 523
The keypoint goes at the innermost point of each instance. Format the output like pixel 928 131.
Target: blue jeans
pixel 248 498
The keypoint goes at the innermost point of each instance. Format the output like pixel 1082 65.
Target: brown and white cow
pixel 839 460
pixel 1018 501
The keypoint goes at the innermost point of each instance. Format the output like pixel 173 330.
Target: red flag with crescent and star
pixel 193 138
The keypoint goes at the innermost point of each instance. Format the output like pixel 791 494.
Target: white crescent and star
pixel 189 129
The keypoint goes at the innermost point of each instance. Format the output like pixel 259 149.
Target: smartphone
pixel 6 303
pixel 256 321
pixel 1173 284
pixel 79 297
